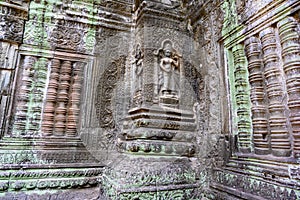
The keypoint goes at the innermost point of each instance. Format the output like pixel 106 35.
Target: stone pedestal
pixel 153 177
pixel 157 156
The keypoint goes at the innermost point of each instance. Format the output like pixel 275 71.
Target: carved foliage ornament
pixel 11 29
pixel 105 90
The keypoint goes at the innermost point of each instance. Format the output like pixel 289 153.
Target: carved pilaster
pixel 242 99
pixel 280 141
pixel 289 37
pixel 259 107
pixel 8 55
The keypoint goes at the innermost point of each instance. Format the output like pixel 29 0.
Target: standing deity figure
pixel 138 65
pixel 170 68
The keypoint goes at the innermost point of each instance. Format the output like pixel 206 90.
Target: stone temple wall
pixel 149 99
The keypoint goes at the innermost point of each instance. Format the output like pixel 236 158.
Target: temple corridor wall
pixel 149 99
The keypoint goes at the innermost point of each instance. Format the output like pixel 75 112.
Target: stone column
pixel 259 108
pixel 289 38
pixel 242 100
pixel 30 95
pixel 280 140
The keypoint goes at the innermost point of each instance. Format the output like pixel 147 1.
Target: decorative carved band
pixel 259 109
pixel 280 142
pixel 289 37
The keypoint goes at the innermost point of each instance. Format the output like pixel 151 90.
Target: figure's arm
pixel 162 64
pixel 139 62
pixel 176 62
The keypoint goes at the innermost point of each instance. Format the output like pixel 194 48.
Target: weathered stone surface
pixel 149 99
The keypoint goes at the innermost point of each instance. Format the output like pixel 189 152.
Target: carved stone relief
pixel 13 15
pixel 105 90
pixel 169 62
pixel 149 82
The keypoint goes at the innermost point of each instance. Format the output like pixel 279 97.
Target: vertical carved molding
pixel 280 142
pixel 289 38
pixel 242 99
pixel 8 57
pixel 74 100
pixel 259 107
pixel 48 118
pixel 62 99
pixel 23 97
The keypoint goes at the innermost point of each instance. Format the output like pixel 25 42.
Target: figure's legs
pixel 166 83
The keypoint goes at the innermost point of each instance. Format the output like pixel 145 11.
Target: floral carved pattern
pixel 114 72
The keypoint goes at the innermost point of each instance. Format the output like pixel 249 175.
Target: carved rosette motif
pixel 12 17
pixel 242 99
pixel 259 107
pixel 280 141
pixel 61 112
pixel 289 37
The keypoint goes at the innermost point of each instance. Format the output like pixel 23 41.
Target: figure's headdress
pixel 167 45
